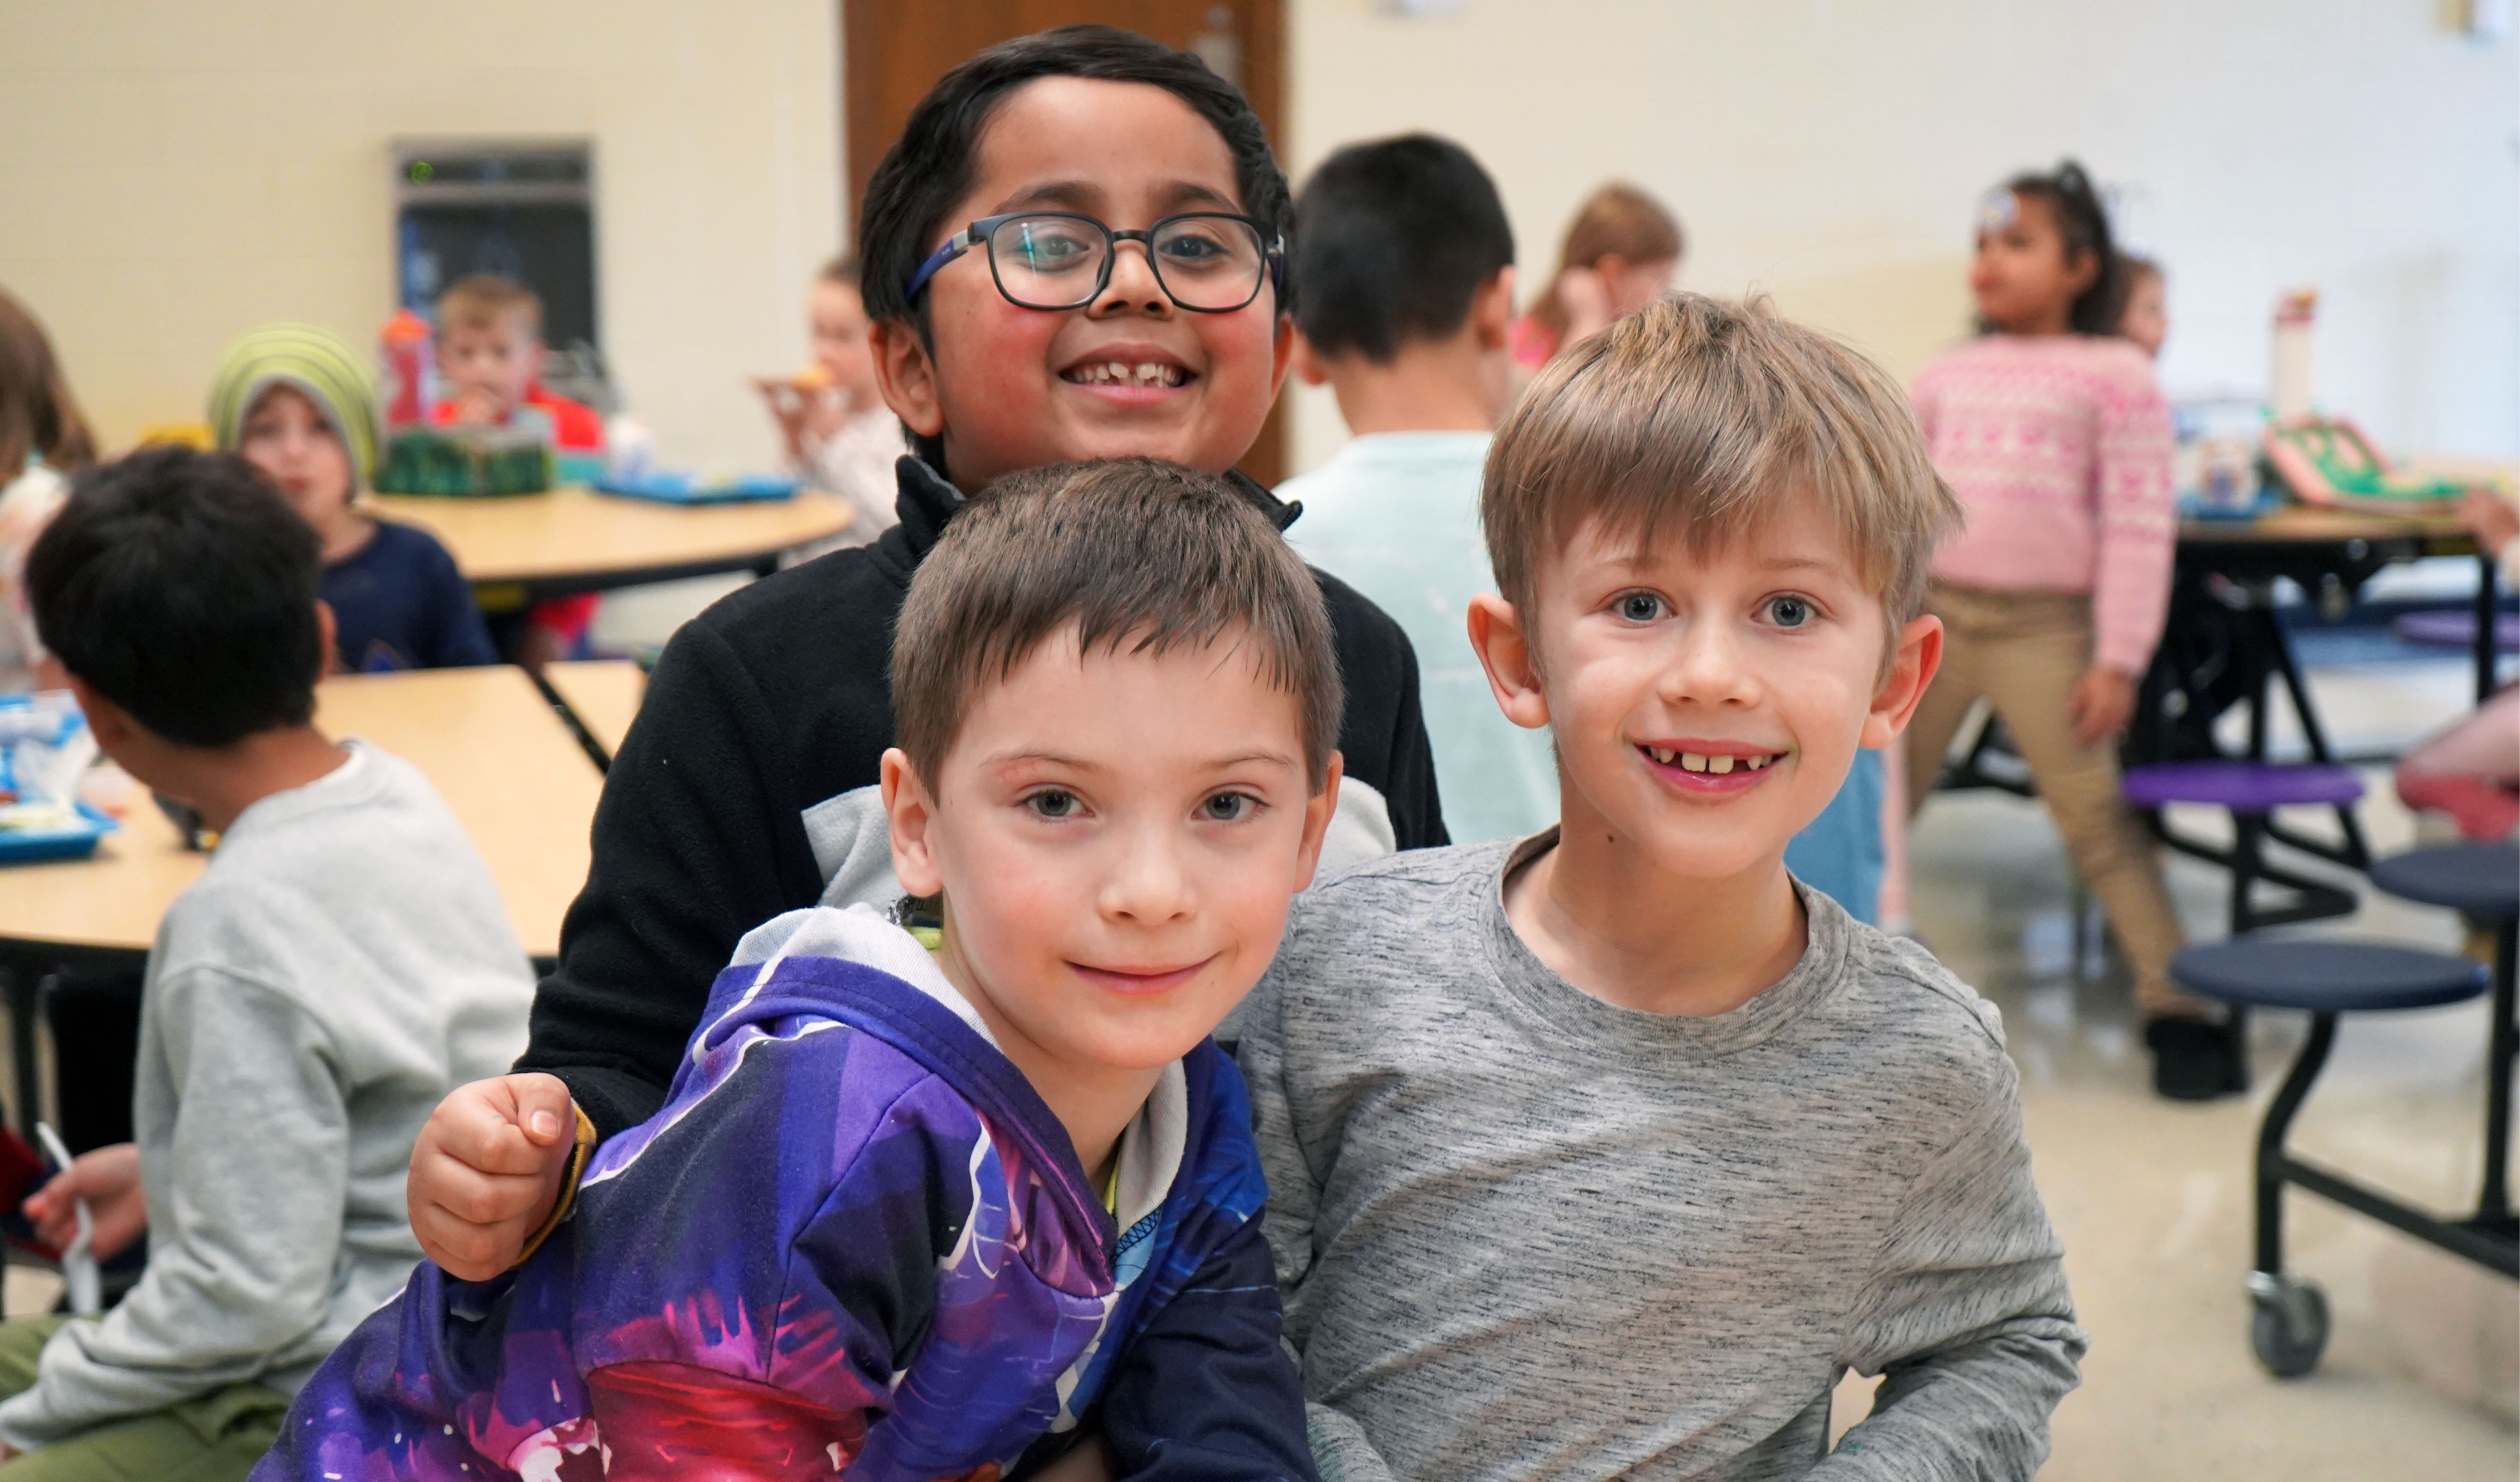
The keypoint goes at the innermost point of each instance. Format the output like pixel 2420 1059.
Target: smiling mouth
pixel 1126 980
pixel 1120 372
pixel 1717 766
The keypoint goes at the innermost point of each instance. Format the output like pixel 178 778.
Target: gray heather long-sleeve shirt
pixel 1525 1234
pixel 342 964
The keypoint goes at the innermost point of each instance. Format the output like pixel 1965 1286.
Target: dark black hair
pixel 2084 222
pixel 183 587
pixel 1393 239
pixel 930 168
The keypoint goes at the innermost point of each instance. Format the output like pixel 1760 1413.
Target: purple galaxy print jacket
pixel 854 1242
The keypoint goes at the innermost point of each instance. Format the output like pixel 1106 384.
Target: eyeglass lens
pixel 1062 262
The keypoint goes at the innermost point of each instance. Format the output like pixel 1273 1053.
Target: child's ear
pixel 1912 670
pixel 905 372
pixel 913 814
pixel 1319 810
pixel 1310 368
pixel 1281 353
pixel 109 723
pixel 1505 649
pixel 1492 310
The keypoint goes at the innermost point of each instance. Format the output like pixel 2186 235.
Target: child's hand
pixel 486 1171
pixel 2102 705
pixel 109 1179
pixel 473 407
pixel 2489 518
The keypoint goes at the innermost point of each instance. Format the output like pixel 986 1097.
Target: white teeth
pixel 1755 763
pixel 1146 373
pixel 1691 761
pixel 1719 765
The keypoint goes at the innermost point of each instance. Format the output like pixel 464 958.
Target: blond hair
pixel 1709 417
pixel 487 301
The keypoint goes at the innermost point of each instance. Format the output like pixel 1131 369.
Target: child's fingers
pixel 473 1252
pixel 543 1108
pixel 511 1124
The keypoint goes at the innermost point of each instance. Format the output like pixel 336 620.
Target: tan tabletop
pixel 2441 533
pixel 576 540
pixel 507 766
pixel 603 694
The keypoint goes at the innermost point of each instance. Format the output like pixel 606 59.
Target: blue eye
pixel 1788 611
pixel 1640 607
pixel 1227 807
pixel 1053 803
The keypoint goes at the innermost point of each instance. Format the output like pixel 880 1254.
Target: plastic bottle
pixel 410 370
pixel 2293 379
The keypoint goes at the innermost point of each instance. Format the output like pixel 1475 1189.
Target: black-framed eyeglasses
pixel 1208 262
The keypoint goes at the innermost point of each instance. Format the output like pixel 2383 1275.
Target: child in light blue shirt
pixel 1406 264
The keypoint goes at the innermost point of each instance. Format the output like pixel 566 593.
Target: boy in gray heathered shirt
pixel 1607 1154
pixel 342 964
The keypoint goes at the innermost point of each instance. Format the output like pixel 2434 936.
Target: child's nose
pixel 1146 884
pixel 1133 283
pixel 1710 668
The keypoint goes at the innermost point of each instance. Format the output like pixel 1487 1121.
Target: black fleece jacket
pixel 773 700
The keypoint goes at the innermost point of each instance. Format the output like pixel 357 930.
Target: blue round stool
pixel 2288 1318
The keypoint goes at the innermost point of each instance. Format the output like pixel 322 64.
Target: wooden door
pixel 897 49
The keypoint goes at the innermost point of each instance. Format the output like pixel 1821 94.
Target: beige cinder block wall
pixel 1831 152
pixel 172 172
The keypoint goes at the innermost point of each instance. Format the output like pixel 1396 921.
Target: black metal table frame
pixel 2489 1238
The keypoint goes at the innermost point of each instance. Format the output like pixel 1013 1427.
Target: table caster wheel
pixel 2287 1324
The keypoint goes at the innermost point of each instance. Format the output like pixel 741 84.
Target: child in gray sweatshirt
pixel 1608 1152
pixel 342 964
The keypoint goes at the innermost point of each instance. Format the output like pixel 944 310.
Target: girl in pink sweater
pixel 2056 439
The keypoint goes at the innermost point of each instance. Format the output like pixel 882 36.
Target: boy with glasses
pixel 748 784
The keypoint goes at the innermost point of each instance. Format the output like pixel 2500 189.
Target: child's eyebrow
pixel 1071 195
pixel 1084 197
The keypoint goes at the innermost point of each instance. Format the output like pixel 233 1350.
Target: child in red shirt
pixel 490 361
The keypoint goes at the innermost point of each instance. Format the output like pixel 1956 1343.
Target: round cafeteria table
pixel 529 547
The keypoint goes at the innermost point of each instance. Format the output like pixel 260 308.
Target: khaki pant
pixel 216 1438
pixel 2021 651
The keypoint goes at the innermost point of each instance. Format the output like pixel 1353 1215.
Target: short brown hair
pixel 1709 416
pixel 843 270
pixel 485 300
pixel 1134 554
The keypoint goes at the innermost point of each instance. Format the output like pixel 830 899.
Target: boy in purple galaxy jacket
pixel 920 1214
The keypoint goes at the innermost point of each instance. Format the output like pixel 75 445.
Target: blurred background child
pixel 2470 771
pixel 43 440
pixel 838 433
pixel 2146 319
pixel 300 404
pixel 2055 437
pixel 1407 265
pixel 343 962
pixel 1621 253
pixel 489 367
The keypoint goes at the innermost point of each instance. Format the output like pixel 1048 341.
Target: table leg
pixel 24 991
pixel 2493 1204
pixel 2487 649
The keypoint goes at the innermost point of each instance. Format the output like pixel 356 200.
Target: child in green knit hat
pixel 300 404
